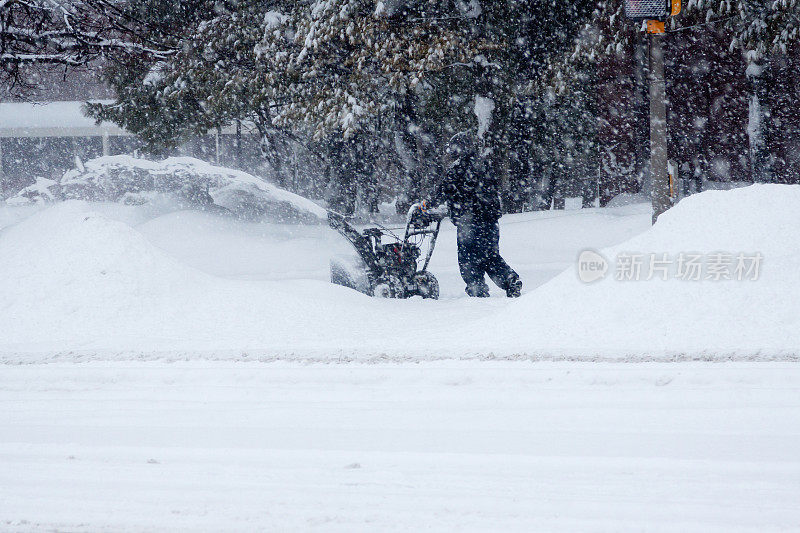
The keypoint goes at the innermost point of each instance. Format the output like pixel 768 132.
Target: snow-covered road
pixel 444 446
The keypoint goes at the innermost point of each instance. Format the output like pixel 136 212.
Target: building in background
pixel 42 134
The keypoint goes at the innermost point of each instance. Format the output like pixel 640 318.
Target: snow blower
pixel 394 269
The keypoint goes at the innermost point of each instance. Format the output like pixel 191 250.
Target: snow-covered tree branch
pixel 68 33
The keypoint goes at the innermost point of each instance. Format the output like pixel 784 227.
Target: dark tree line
pixel 366 93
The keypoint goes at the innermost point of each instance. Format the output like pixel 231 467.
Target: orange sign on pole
pixel 655 26
pixel 676 7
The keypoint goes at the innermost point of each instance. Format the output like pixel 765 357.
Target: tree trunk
pixel 760 121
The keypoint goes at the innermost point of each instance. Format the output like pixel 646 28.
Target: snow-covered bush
pixel 42 191
pixel 192 183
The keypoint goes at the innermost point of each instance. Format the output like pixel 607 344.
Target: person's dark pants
pixel 479 254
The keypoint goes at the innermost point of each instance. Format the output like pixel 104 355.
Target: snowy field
pixel 175 370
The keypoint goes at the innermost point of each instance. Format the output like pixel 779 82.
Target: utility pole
pixel 659 173
pixel 655 13
pixel 641 55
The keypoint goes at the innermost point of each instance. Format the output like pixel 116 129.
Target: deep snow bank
pixel 76 283
pixel 74 279
pixel 677 317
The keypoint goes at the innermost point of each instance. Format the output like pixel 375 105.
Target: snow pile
pixel 68 269
pixel 676 317
pixel 73 278
pixel 192 182
pixel 42 191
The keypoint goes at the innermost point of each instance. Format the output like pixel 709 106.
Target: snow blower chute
pixel 397 268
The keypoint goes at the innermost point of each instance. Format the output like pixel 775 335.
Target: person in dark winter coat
pixel 472 194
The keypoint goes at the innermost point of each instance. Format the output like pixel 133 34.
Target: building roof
pixel 62 119
pixel 51 119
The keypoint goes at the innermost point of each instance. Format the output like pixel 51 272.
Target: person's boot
pixel 514 286
pixel 478 290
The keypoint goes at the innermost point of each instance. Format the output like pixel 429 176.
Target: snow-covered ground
pixel 104 281
pixel 112 281
pixel 178 370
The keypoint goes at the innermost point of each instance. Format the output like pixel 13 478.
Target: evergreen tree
pixel 408 73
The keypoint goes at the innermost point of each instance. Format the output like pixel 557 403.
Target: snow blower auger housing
pixel 394 269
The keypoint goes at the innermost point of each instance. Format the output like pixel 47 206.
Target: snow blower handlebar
pixel 422 220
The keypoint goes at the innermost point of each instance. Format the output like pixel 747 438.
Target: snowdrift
pixel 77 284
pixel 74 279
pixel 677 318
pixel 193 183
